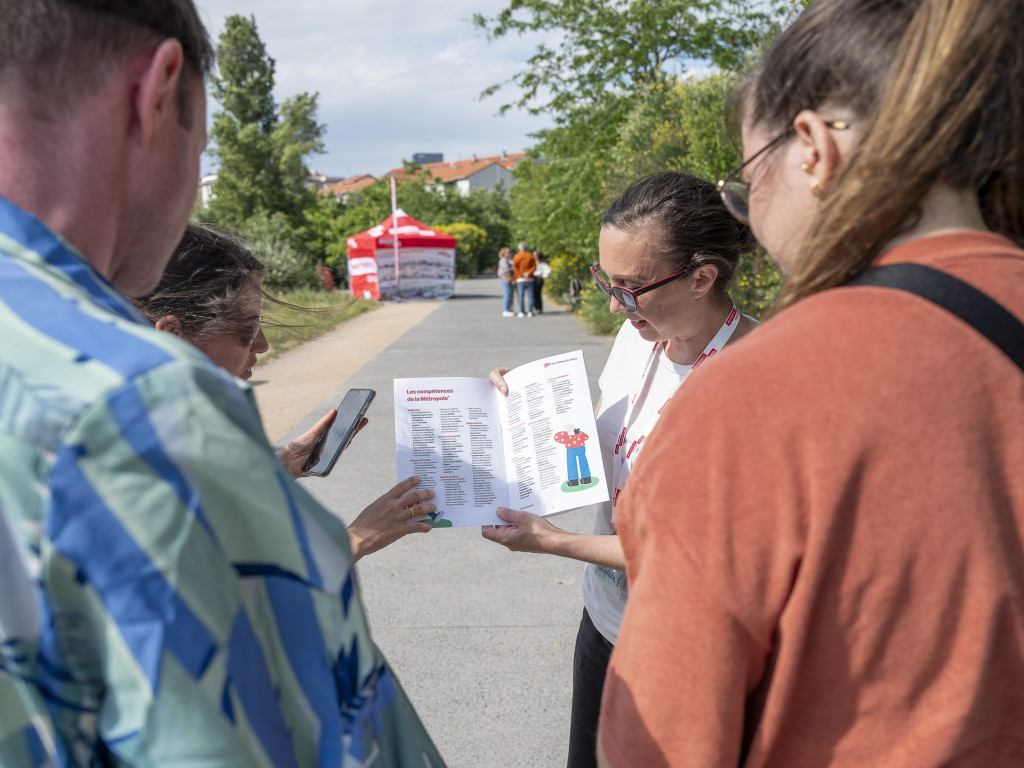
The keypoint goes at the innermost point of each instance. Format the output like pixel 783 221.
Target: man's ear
pixel 704 279
pixel 170 324
pixel 156 94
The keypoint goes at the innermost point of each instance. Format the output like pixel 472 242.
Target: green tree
pixel 621 111
pixel 676 125
pixel 247 176
pixel 486 209
pixel 296 136
pixel 324 234
pixel 260 148
pixel 469 246
pixel 618 46
pixel 564 184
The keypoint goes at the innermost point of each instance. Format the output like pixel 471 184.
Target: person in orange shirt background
pixel 523 265
pixel 824 537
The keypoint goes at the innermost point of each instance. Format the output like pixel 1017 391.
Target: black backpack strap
pixel 977 309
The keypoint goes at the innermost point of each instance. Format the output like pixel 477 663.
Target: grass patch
pixel 319 311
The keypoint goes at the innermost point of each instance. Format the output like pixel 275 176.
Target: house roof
pixel 461 169
pixel 351 184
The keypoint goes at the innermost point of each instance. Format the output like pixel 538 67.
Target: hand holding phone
pixel 339 434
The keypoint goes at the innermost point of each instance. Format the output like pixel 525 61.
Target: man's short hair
pixel 522 246
pixel 64 49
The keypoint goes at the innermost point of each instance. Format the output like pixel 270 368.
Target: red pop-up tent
pixel 426 261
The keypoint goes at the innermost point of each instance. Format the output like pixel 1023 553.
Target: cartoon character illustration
pixel 575 454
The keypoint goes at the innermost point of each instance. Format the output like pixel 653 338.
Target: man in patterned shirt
pixel 168 593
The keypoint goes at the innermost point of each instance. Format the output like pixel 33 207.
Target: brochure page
pixel 552 457
pixel 535 449
pixel 448 432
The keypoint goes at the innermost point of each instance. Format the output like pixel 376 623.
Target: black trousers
pixel 590 664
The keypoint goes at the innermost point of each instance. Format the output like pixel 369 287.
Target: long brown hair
pixel 949 109
pixel 202 286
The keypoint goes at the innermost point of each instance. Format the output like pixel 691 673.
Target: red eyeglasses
pixel 626 296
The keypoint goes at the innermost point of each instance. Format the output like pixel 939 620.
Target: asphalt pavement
pixel 480 637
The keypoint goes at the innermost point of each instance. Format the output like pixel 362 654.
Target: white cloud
pixel 394 78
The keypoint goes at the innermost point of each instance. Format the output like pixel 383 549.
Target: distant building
pixel 424 158
pixel 463 176
pixel 206 189
pixel 346 187
pixel 460 176
pixel 315 181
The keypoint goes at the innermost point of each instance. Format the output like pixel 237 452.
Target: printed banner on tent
pixel 427 273
pixel 426 260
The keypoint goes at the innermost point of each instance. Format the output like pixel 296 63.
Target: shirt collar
pixel 58 257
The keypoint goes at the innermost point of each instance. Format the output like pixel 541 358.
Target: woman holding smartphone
pixel 668 251
pixel 211 295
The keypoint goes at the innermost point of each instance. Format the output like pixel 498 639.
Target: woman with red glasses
pixel 668 250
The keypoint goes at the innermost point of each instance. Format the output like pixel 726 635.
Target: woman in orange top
pixel 824 537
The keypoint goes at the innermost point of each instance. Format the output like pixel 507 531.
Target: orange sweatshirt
pixel 824 542
pixel 523 265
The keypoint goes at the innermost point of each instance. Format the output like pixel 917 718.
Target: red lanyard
pixel 625 458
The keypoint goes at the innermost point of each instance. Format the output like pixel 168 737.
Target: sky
pixel 394 77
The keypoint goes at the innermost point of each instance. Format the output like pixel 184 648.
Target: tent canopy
pixel 426 260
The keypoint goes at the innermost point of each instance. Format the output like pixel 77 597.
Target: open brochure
pixel 535 449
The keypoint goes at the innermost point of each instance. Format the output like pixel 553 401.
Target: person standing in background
pixel 506 273
pixel 540 274
pixel 524 265
pixel 189 603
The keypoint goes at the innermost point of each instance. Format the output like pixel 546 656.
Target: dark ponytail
pixel 692 224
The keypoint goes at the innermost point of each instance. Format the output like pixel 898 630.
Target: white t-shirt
pixel 604 589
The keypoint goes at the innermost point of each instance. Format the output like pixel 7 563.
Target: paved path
pixel 481 638
pixel 290 386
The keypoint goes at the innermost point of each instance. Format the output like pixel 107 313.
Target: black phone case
pixel 334 459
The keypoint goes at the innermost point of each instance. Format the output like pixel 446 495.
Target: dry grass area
pixel 315 312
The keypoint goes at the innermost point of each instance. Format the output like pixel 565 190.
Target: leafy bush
pixel 323 235
pixel 470 241
pixel 272 241
pixel 564 267
pixel 757 283
pixel 595 313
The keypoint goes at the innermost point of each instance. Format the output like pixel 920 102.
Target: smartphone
pixel 339 432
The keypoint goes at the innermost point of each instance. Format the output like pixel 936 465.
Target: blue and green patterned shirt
pixel 168 593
